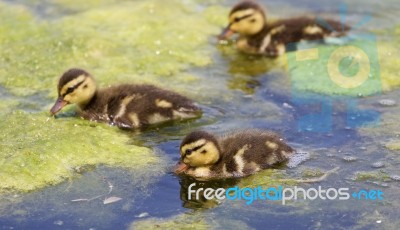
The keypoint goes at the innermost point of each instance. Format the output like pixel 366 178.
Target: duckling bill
pixel 237 154
pixel 257 36
pixel 126 106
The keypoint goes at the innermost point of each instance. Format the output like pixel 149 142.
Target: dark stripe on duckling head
pixel 190 151
pixel 198 147
pixel 72 88
pixel 238 19
pixel 197 135
pixel 69 75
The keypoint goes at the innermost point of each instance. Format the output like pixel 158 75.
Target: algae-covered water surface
pixel 64 172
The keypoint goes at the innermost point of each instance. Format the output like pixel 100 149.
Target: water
pixel 233 97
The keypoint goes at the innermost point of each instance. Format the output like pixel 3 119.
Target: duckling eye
pixel 253 20
pixel 70 90
pixel 188 152
pixel 85 86
pixel 236 19
pixel 204 151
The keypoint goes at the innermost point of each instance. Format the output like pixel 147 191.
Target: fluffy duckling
pixel 236 155
pixel 127 106
pixel 256 36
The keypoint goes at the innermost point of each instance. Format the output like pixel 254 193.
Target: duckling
pixel 237 154
pixel 126 106
pixel 256 36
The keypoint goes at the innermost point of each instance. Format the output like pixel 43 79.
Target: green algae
pixel 37 150
pixel 184 221
pixel 389 54
pixel 190 220
pixel 311 172
pixel 386 133
pixel 373 175
pixel 266 178
pixel 393 145
pixel 76 5
pixel 8 105
pixel 130 41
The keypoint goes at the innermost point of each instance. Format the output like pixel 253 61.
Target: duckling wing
pixel 275 37
pixel 139 105
pixel 304 28
pixel 250 151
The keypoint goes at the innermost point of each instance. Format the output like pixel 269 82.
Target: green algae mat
pixel 37 150
pixel 144 42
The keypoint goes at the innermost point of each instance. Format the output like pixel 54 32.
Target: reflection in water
pixel 245 69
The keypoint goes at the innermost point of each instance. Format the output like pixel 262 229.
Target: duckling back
pixel 250 151
pixel 133 106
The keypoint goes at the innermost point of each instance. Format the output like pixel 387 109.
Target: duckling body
pixel 237 154
pixel 126 106
pixel 257 36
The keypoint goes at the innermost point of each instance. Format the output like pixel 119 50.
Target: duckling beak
pixel 226 33
pixel 180 167
pixel 60 103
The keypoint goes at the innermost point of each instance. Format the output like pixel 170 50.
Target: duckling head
pixel 76 86
pixel 246 18
pixel 198 149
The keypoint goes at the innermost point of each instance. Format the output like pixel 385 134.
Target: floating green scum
pixel 140 42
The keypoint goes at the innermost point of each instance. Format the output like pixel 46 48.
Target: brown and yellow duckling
pixel 126 105
pixel 257 36
pixel 237 154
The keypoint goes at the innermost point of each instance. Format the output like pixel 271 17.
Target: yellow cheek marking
pixel 134 119
pixel 163 103
pixel 124 103
pixel 194 144
pixel 71 84
pixel 271 145
pixel 67 98
pixel 199 159
pixel 312 30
